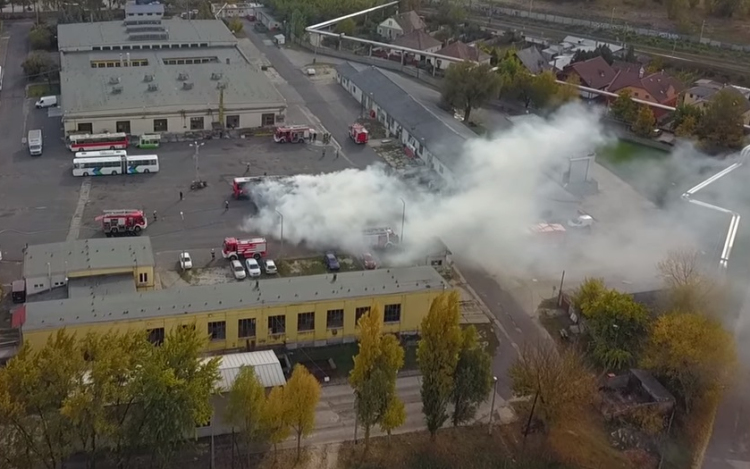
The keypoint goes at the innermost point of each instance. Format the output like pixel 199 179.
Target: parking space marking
pixel 75 222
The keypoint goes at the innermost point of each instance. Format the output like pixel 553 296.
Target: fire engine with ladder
pixel 234 248
pixel 380 238
pixel 292 134
pixel 124 222
pixel 359 134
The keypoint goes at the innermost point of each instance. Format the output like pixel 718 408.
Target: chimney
pixel 127 59
pixel 122 64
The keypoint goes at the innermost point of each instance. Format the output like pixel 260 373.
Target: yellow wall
pixel 146 282
pixel 414 307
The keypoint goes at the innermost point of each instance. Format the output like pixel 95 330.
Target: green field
pixel 625 152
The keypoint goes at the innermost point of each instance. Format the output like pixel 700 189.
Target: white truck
pixel 35 142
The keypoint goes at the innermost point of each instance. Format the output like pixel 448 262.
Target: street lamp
pixel 492 407
pixel 281 251
pixel 403 218
pixel 197 146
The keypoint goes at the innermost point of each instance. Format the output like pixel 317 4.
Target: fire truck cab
pixel 240 189
pixel 359 134
pixel 126 222
pixel 234 248
pixel 380 238
pixel 292 134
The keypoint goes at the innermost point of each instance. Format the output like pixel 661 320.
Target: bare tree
pixel 690 289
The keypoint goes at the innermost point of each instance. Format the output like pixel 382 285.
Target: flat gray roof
pixel 86 287
pixel 201 299
pixel 84 36
pixel 86 91
pixel 86 254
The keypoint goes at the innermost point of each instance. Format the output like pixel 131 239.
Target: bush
pixel 235 25
pixel 42 37
pixel 38 65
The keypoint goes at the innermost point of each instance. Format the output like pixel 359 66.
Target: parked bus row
pixel 110 141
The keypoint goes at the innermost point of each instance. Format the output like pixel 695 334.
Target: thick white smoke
pixel 504 185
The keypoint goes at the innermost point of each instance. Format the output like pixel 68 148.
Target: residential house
pixel 461 52
pixel 703 90
pixel 418 40
pixel 656 87
pixel 559 56
pixel 400 24
pixel 594 73
pixel 421 132
pixel 533 60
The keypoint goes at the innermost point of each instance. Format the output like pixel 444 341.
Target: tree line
pixel 116 399
pixel 682 343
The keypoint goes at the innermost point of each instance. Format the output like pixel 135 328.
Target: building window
pixel 359 312
pixel 217 330
pixel 160 125
pixel 233 122
pixel 335 319
pixel 305 322
pixel 196 123
pixel 246 328
pixel 276 325
pixel 267 119
pixel 122 126
pixel 86 127
pixel 143 277
pixel 392 313
pixel 156 336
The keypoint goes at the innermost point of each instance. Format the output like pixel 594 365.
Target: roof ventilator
pixel 216 76
pixel 221 86
pixel 114 80
pixel 182 76
pixel 187 85
pixel 153 87
pixel 148 78
pixel 117 89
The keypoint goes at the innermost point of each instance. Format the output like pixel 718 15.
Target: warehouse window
pixel 359 313
pixel 267 119
pixel 196 123
pixel 217 330
pixel 335 319
pixel 160 125
pixel 143 277
pixel 246 328
pixel 276 325
pixel 392 313
pixel 156 336
pixel 306 322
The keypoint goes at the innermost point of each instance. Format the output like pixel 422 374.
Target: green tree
pixel 685 111
pixel 616 324
pixel 394 416
pixel 374 374
pixel 298 22
pixel 630 54
pixel 544 89
pixel 570 92
pixel 38 65
pixel 347 27
pixel 602 51
pixel 689 287
pixel 694 353
pixel 645 122
pixel 624 108
pixel 562 384
pixel 275 418
pixel 515 79
pixel 438 355
pixel 589 292
pixel 687 128
pixel 204 11
pixel 245 407
pixel 468 86
pixel 301 395
pixel 722 122
pixel 472 379
pixel 40 37
pixel 236 25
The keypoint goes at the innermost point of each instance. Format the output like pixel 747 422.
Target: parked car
pixel 369 261
pixel 331 262
pixel 271 267
pixel 238 270
pixel 186 262
pixel 253 268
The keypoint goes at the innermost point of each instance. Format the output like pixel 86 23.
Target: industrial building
pixel 297 311
pixel 83 265
pixel 149 75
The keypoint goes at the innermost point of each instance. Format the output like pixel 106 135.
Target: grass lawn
pixel 37 90
pixel 625 152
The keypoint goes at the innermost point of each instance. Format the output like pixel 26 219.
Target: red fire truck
pixel 359 134
pixel 292 134
pixel 234 248
pixel 242 186
pixel 125 222
pixel 383 237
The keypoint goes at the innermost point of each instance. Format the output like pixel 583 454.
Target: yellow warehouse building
pixel 297 311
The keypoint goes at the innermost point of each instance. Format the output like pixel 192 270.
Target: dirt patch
pixel 208 276
pixel 314 266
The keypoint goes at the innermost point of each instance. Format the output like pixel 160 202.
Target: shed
pixel 265 363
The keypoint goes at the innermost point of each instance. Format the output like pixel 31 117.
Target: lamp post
pixel 281 251
pixel 492 407
pixel 403 219
pixel 197 146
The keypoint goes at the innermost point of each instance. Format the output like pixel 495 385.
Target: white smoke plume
pixel 505 184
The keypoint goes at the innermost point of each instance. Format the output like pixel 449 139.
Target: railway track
pixel 677 57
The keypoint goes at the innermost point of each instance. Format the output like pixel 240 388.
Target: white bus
pixel 96 154
pixel 111 165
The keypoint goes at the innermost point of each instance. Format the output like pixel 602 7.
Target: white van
pixel 46 101
pixel 35 142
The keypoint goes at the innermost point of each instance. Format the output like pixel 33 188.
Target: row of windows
pixel 246 328
pixel 191 60
pixel 152 46
pixel 119 63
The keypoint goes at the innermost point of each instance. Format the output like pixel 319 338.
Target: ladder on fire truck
pixel 124 211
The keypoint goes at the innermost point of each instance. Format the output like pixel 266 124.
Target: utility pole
pixel 492 407
pixel 197 146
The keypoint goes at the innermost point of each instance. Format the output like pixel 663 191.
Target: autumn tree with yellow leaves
pixel 301 396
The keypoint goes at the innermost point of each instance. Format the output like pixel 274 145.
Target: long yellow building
pixel 297 311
